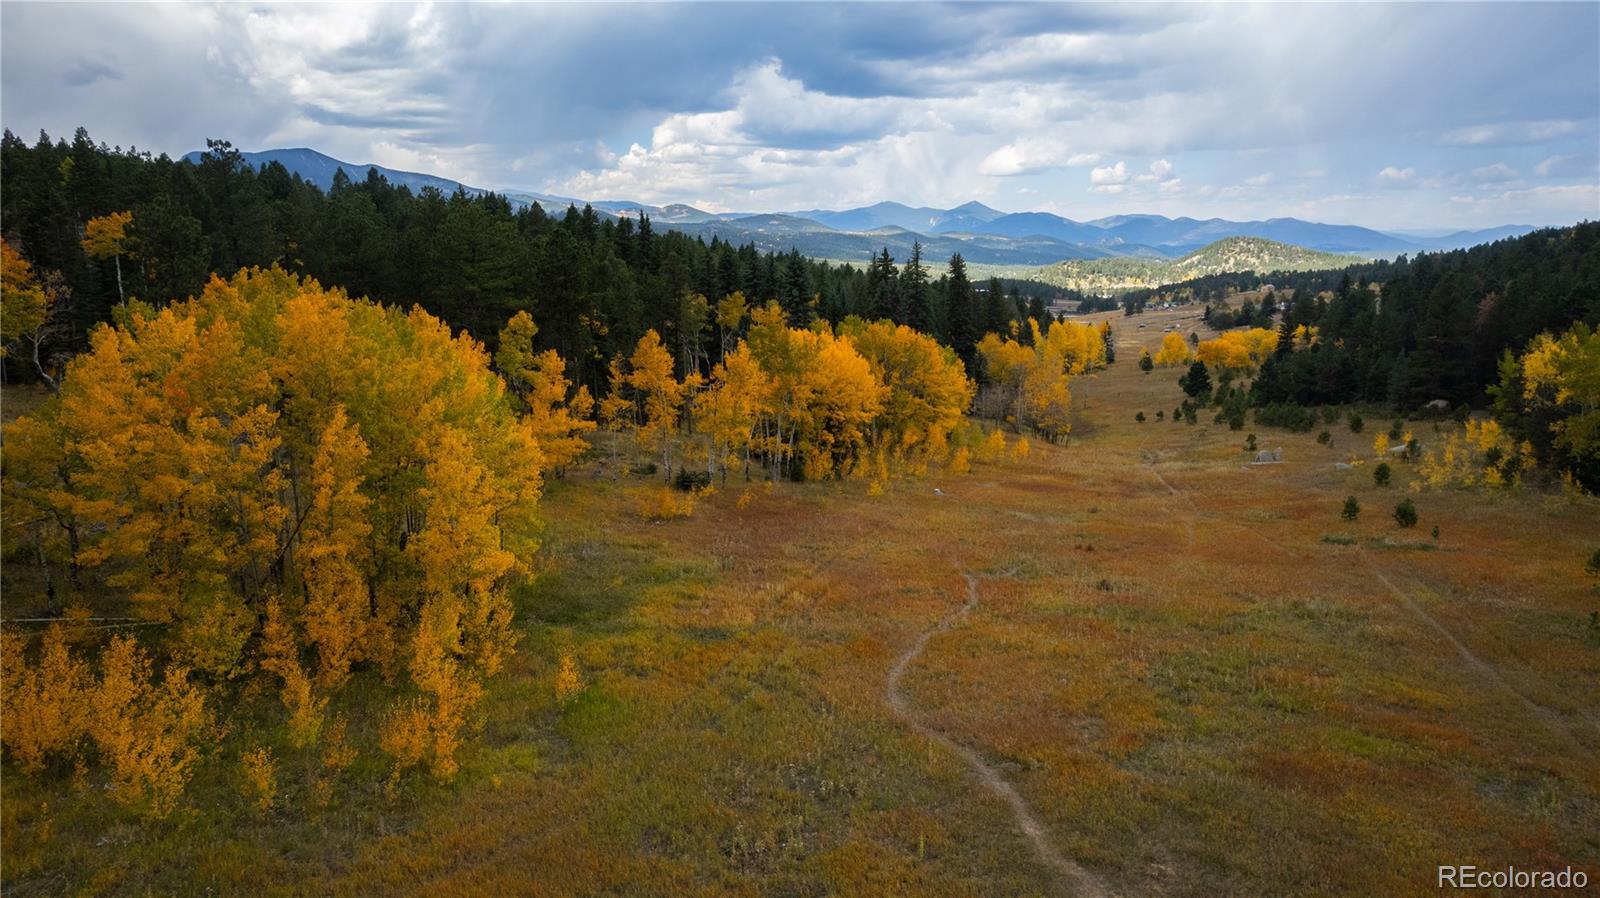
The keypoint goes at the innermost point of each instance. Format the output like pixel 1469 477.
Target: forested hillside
pixel 1232 254
pixel 1435 326
pixel 594 285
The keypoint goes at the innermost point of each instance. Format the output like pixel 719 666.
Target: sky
pixel 1404 116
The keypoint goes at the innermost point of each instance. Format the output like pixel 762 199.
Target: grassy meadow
pixel 1199 678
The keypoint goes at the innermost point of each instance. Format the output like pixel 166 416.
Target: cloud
pixel 1108 175
pixel 1392 175
pixel 1260 180
pixel 1033 155
pixel 89 71
pixel 1510 132
pixel 1572 165
pixel 795 106
pixel 1497 172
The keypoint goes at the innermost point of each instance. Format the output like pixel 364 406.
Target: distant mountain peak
pixel 982 234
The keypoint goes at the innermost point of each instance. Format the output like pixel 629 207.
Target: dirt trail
pixel 1547 716
pixel 1149 460
pixel 1074 879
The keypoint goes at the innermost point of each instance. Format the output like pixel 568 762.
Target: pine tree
pixel 914 311
pixel 962 314
pixel 883 287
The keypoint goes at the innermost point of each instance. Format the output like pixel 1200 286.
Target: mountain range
pixel 981 234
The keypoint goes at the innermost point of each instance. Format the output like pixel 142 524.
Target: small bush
pixel 1352 509
pixel 569 683
pixel 664 503
pixel 1405 514
pixel 1356 424
pixel 1395 429
pixel 1593 564
pixel 1338 539
pixel 1435 533
pixel 1250 443
pixel 1146 364
pixel 689 481
pixel 1381 474
pixel 1325 438
pixel 1160 414
pixel 648 469
pixel 1298 419
pixel 260 781
pixel 1139 417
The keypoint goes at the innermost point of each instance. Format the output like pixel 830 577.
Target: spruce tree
pixel 962 315
pixel 883 287
pixel 913 298
pixel 996 309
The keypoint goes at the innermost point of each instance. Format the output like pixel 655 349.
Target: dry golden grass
pixel 1193 690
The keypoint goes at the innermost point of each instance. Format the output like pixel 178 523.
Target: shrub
pixel 569 683
pixel 1593 564
pixel 1160 415
pixel 1352 509
pixel 1356 423
pixel 1139 417
pixel 1405 514
pixel 1250 443
pixel 1395 429
pixel 1325 438
pixel 1298 419
pixel 259 782
pixel 1146 364
pixel 689 481
pixel 664 503
pixel 1380 474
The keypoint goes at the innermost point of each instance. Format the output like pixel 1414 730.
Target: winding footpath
pixel 1074 879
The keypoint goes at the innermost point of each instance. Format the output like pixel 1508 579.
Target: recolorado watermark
pixel 1470 877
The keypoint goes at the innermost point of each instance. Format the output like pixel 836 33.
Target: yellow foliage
pixel 1020 449
pixel 259 778
pixel 960 461
pixel 539 381
pixel 569 683
pixel 44 706
pixel 992 448
pixel 270 444
pixel 103 236
pixel 804 399
pixel 1032 380
pixel 1480 454
pixel 1380 445
pixel 1239 350
pixel 403 735
pixel 337 752
pixel 24 303
pixel 665 503
pixel 280 654
pixel 1174 351
pixel 926 389
pixel 147 733
pixel 1561 378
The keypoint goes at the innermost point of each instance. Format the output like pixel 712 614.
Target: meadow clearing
pixel 1196 678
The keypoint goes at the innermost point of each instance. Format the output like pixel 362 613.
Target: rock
pixel 1343 466
pixel 1438 405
